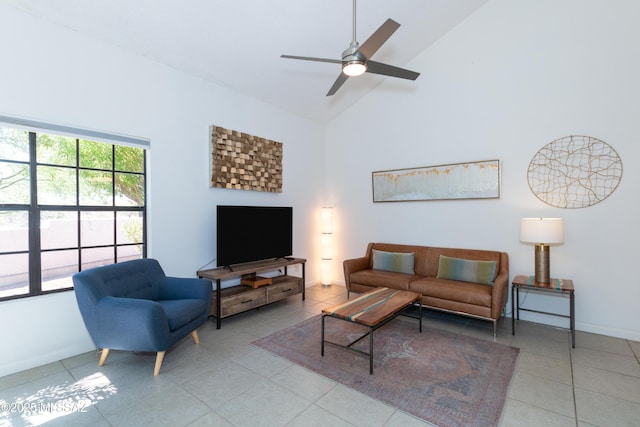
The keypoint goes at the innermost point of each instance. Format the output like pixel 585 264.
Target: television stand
pixel 237 299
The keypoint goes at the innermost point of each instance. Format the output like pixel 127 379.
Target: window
pixel 66 204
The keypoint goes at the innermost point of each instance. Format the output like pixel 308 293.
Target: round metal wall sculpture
pixel 574 172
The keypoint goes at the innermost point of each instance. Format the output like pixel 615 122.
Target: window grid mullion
pixel 144 212
pixel 113 202
pixel 79 213
pixel 35 260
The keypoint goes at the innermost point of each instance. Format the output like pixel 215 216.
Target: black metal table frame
pixel 370 333
pixel 515 307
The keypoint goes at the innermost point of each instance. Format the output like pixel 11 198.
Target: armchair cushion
pixel 182 311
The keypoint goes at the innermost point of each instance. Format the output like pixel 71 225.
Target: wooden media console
pixel 254 291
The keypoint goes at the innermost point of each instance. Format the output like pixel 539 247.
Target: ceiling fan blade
pixel 377 39
pixel 309 58
pixel 389 70
pixel 336 85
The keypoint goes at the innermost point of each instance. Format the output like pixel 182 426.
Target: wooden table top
pixel 554 285
pixel 238 270
pixel 373 307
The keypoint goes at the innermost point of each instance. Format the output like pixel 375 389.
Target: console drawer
pixel 238 299
pixel 283 288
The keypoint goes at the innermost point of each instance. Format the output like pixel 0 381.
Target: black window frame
pixel 34 210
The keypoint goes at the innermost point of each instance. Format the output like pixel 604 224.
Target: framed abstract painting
pixel 472 180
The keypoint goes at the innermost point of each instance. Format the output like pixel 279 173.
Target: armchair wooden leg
pixel 195 337
pixel 159 359
pixel 103 356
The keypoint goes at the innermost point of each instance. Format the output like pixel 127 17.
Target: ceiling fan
pixel 356 58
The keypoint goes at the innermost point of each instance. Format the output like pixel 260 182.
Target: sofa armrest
pixel 172 288
pixel 131 324
pixel 353 265
pixel 500 292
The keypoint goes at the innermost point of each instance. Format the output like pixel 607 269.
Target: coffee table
pixel 373 310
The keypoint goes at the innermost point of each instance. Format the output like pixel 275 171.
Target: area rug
pixel 444 378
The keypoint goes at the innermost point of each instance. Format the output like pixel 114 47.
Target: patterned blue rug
pixel 444 378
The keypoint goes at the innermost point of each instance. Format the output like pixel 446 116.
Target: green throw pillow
pixel 400 262
pixel 467 270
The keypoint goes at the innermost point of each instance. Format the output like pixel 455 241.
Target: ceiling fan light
pixel 354 68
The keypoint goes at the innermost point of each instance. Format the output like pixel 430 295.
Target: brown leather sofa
pixel 466 298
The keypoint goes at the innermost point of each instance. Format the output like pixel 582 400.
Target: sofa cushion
pixel 466 270
pixel 182 311
pixel 432 258
pixel 454 291
pixel 382 278
pixel 399 262
pixel 420 255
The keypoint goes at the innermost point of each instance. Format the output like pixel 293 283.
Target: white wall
pixel 513 77
pixel 54 75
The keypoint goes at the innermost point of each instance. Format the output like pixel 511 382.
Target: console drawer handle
pixel 247 301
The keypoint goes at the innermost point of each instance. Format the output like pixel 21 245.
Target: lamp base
pixel 542 263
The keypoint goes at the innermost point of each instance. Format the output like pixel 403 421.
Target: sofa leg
pixel 159 359
pixel 103 356
pixel 495 329
pixel 195 337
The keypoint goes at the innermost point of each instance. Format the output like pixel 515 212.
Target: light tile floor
pixel 225 381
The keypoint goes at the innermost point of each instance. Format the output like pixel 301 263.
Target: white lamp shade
pixel 327 220
pixel 325 272
pixel 542 230
pixel 326 242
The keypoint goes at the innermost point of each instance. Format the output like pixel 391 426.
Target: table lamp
pixel 542 232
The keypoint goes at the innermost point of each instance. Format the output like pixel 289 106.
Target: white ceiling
pixel 238 43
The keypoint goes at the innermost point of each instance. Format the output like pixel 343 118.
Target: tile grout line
pixel 573 383
pixel 95 405
pixel 637 357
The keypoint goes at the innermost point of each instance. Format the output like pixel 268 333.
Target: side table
pixel 557 286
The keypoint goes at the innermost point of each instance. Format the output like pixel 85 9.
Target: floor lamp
pixel 542 232
pixel 327 246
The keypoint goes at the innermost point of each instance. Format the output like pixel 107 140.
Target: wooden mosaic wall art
pixel 245 162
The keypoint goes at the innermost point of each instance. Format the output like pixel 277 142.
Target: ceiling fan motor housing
pixel 351 58
pixel 351 53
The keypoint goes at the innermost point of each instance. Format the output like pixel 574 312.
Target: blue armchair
pixel 133 306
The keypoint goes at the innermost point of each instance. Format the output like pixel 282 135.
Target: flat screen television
pixel 253 233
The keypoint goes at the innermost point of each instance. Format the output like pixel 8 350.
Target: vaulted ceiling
pixel 238 43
